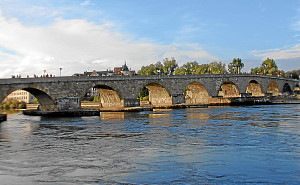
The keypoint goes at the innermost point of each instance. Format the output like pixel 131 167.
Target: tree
pixel 195 68
pixel 217 68
pixel 22 105
pixel 202 69
pixel 159 68
pixel 235 66
pixel 168 67
pixel 13 103
pixel 257 70
pixel 147 70
pixel 144 94
pixel 268 67
pixel 36 100
pixel 295 74
pixel 188 68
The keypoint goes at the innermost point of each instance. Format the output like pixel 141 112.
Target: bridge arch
pixel 196 93
pixel 228 89
pixel 106 96
pixel 46 102
pixel 273 88
pixel 254 88
pixel 158 95
pixel 287 89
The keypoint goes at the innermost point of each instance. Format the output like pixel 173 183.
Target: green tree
pixel 147 70
pixel 295 74
pixel 22 105
pixel 169 66
pixel 159 68
pixel 202 69
pixel 235 66
pixel 268 67
pixel 188 68
pixel 36 100
pixel 13 103
pixel 144 94
pixel 257 70
pixel 217 68
pixel 180 71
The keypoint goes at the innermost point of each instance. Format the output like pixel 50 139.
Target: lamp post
pixel 60 71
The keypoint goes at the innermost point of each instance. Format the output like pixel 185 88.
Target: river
pixel 215 145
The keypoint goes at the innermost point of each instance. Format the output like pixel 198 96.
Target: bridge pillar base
pixel 268 94
pixel 178 99
pixel 131 102
pixel 47 108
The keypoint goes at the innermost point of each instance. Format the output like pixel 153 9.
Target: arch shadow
pixel 287 90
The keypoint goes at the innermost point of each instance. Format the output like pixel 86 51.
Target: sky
pixel 87 35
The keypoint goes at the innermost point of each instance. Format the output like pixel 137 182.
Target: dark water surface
pixel 217 145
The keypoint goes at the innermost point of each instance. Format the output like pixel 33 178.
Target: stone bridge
pixel 123 91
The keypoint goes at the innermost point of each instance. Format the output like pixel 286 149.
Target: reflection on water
pixel 198 115
pixel 217 145
pixel 160 115
pixel 10 112
pixel 112 115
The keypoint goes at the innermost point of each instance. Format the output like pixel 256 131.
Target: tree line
pixel 171 67
pixel 13 104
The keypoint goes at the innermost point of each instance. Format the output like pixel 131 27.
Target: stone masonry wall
pixel 273 88
pixel 254 89
pixel 229 91
pixel 110 98
pixel 196 94
pixel 159 96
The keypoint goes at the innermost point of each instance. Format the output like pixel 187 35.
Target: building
pixel 117 71
pixel 123 71
pixel 21 95
pixel 99 73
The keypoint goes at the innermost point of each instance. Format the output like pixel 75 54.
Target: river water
pixel 215 145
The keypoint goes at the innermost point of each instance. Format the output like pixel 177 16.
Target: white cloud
pixel 289 53
pixel 85 3
pixel 77 45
